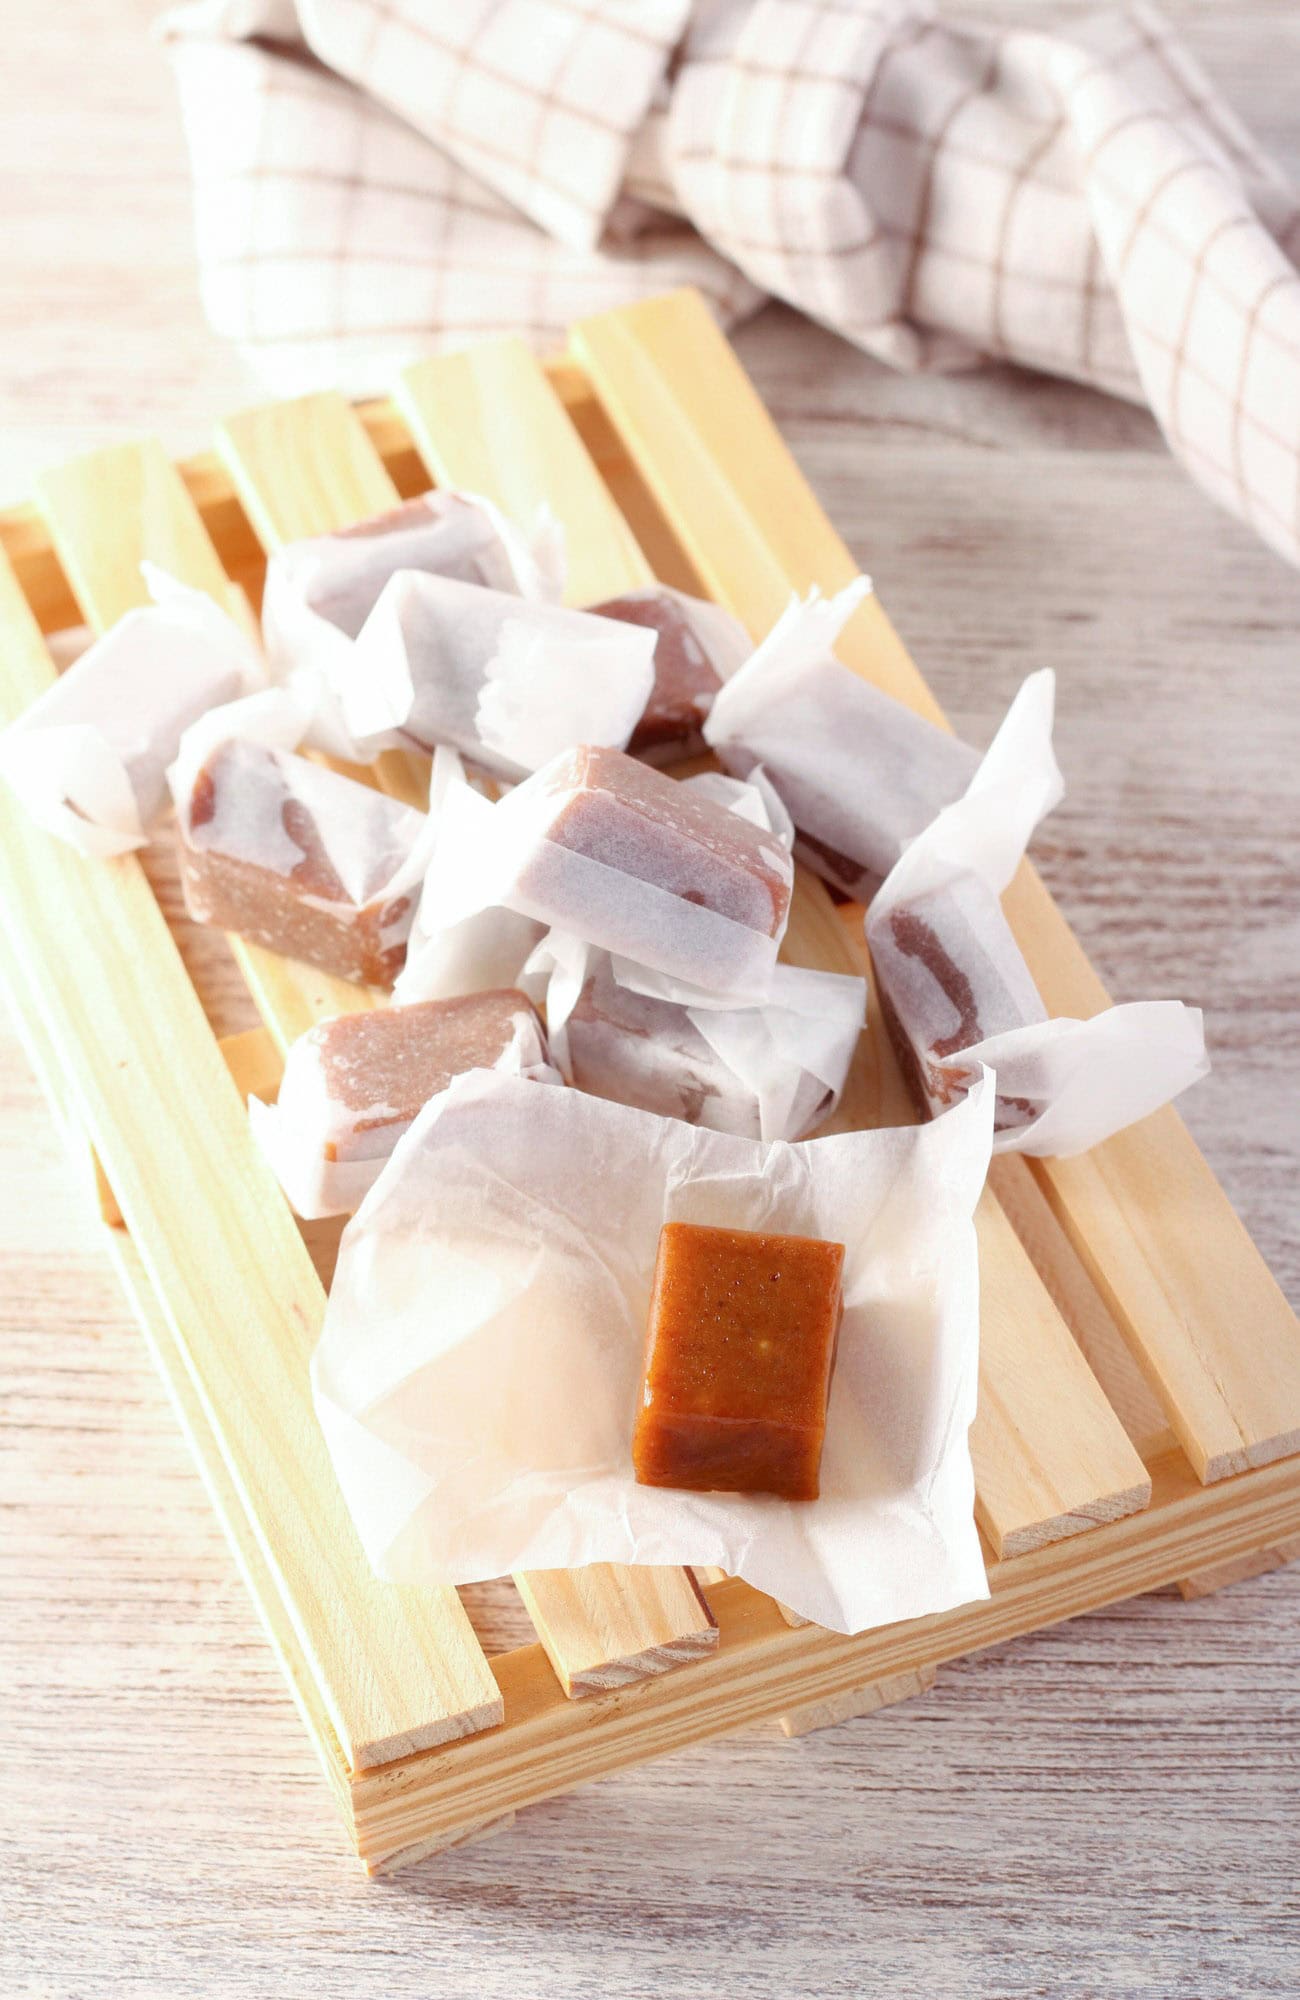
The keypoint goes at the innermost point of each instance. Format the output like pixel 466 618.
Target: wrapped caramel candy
pixel 289 854
pixel 698 645
pixel 599 845
pixel 89 759
pixel 488 948
pixel 860 773
pixel 320 592
pixel 352 1086
pixel 771 1070
pixel 956 991
pixel 506 682
pixel 481 1363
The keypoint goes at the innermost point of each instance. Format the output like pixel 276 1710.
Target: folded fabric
pixel 374 182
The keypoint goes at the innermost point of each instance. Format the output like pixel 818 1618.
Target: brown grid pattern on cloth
pixel 1079 201
pixel 518 91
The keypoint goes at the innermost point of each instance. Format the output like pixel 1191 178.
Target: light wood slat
pixel 489 421
pixel 106 511
pixel 25 539
pixel 452 403
pixel 259 1578
pixel 1051 1458
pixel 1220 1576
pixel 866 1700
pixel 396 1670
pixel 1202 1313
pixel 1080 1304
pixel 254 1061
pixel 304 468
pixel 763 1668
pixel 253 1568
pixel 606 1625
pixel 1025 1207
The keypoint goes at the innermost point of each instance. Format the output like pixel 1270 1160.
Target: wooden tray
pixel 1096 1478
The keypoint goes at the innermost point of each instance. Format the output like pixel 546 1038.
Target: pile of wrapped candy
pixel 565 910
pixel 604 1296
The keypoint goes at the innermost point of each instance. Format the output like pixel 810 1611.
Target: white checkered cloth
pixel 376 179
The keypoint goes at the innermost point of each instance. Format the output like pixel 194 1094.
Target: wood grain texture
pixel 933 1849
pixel 104 987
pixel 1201 1311
pixel 489 421
pixel 106 511
pixel 859 1701
pixel 304 468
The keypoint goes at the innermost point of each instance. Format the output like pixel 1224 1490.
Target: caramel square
pixel 738 1362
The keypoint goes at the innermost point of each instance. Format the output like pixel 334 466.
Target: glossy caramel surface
pixel 739 1355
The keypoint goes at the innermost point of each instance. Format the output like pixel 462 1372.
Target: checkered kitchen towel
pixel 377 178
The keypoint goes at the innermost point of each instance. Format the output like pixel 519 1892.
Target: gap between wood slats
pixel 1037 1478
pixel 303 468
pixel 1203 1316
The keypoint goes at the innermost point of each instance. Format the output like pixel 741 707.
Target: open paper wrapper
pixel 478 1375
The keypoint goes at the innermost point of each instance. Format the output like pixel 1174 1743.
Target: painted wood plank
pixel 304 468
pixel 396 1670
pixel 1202 1313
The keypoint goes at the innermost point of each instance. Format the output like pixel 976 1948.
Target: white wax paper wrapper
pixel 1067 1084
pixel 698 644
pixel 379 853
pixel 320 592
pixel 327 1155
pixel 479 1371
pixel 446 957
pixel 89 758
pixel 860 772
pixel 774 1070
pixel 505 681
pixel 504 859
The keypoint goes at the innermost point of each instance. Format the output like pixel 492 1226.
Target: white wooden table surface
pixel 1112 1807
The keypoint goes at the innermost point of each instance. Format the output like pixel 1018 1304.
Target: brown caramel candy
pixel 685 677
pixel 377 1069
pixel 299 858
pixel 738 1362
pixel 950 975
pixel 439 533
pixel 353 1084
pixel 650 827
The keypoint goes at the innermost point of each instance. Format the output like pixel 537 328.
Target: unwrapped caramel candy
pixel 738 1362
